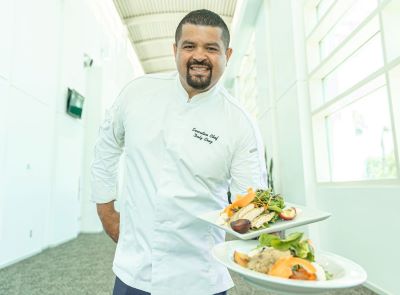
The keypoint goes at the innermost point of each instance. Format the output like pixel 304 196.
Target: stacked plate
pixel 345 273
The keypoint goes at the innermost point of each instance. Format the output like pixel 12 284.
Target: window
pixel 322 7
pixel 353 57
pixel 367 59
pixel 246 84
pixel 346 24
pixel 361 141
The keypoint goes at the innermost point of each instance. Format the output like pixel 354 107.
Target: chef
pixel 186 142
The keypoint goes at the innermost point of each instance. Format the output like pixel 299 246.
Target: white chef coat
pixel 181 156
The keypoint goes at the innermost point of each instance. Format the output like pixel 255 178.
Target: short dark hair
pixel 204 17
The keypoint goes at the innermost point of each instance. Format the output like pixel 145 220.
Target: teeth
pixel 199 68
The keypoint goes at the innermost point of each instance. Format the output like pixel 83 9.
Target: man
pixel 186 140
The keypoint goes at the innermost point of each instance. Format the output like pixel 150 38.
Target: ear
pixel 175 49
pixel 228 54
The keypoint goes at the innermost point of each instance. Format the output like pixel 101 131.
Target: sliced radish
pixel 288 213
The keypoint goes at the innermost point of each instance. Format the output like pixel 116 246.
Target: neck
pixel 192 91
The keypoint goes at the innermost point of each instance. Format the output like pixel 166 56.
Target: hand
pixel 110 219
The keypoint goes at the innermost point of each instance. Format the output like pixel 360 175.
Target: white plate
pixel 345 272
pixel 304 216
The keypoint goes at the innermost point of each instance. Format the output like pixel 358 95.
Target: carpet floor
pixel 83 266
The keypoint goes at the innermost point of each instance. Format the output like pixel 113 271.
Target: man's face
pixel 201 57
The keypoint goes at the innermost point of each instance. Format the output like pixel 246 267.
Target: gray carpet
pixel 83 266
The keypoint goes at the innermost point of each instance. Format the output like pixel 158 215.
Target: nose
pixel 199 54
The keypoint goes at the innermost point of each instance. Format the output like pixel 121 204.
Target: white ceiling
pixel 151 25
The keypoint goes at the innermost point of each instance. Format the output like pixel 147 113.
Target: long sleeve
pixel 248 164
pixel 107 152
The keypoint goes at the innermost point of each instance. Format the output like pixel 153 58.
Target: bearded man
pixel 186 141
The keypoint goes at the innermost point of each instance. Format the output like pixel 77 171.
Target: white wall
pixel 44 193
pixel 364 226
pixel 277 100
pixel 29 57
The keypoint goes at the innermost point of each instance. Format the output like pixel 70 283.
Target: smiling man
pixel 201 53
pixel 186 143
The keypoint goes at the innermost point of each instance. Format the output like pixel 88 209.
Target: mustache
pixel 199 63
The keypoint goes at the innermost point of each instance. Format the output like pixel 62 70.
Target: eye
pixel 212 49
pixel 188 46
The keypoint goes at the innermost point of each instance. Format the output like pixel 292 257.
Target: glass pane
pixel 356 14
pixel 361 140
pixel 363 62
pixel 247 80
pixel 323 7
pixel 391 23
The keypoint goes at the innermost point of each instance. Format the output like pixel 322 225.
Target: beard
pixel 199 82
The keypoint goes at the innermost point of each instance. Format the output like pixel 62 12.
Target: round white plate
pixel 346 273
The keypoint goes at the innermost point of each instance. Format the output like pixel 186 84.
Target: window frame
pixel 318 69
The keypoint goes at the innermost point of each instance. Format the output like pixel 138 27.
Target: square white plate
pixel 346 273
pixel 304 216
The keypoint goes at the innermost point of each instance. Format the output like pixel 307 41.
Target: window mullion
pixel 394 116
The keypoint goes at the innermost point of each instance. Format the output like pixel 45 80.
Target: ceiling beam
pixel 162 17
pixel 162 71
pixel 159 57
pixel 159 60
pixel 158 69
pixel 155 41
pixel 153 18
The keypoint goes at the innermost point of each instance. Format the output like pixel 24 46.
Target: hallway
pixel 304 96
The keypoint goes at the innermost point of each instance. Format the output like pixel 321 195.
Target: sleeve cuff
pixel 101 194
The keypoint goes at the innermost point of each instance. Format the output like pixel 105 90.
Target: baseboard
pixel 19 259
pixel 52 245
pixel 91 231
pixel 378 290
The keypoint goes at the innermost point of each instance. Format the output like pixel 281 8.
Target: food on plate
pixel 241 225
pixel 263 259
pixel 293 268
pixel 290 258
pixel 288 214
pixel 260 208
pixel 241 258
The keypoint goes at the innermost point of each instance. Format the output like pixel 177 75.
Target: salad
pixel 290 258
pixel 255 210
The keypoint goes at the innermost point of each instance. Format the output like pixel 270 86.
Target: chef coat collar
pixel 202 96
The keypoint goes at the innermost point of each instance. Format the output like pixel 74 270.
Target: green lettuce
pixel 293 243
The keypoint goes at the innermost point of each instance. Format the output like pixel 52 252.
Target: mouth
pixel 199 69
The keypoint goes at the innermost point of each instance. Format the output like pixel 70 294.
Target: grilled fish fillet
pixel 242 212
pixel 261 219
pixel 253 213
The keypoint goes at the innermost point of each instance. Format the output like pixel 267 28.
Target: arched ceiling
pixel 151 26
